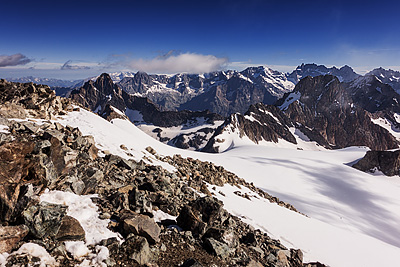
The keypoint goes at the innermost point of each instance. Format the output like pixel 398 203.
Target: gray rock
pixel 139 249
pixel 138 202
pixel 218 248
pixel 78 187
pixel 44 219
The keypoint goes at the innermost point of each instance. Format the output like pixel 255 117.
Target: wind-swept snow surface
pixel 353 217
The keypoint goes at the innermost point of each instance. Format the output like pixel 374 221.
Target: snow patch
pixel 386 124
pixel 159 216
pixel 34 250
pixel 4 129
pixel 85 211
pixel 292 97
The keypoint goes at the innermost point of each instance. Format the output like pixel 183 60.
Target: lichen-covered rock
pixel 44 220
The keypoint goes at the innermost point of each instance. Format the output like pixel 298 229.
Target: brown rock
pixel 254 263
pixel 141 225
pixel 10 236
pixel 70 229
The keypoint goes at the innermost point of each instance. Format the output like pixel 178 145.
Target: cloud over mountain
pixel 67 66
pixel 13 60
pixel 186 62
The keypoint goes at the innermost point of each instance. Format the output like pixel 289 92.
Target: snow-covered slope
pixel 353 217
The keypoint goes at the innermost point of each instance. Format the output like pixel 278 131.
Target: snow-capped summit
pixel 388 76
pixel 344 74
pixel 118 76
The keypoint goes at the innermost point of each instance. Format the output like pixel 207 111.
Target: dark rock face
pixel 372 95
pixel 240 90
pixel 327 109
pixel 259 123
pixel 387 162
pixel 96 94
pixel 102 95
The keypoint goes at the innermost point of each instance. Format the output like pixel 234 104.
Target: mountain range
pixel 85 188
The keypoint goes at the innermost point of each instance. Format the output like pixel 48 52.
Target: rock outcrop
pixel 387 162
pixel 324 106
pixel 110 101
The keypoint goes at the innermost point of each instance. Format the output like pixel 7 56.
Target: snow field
pixel 353 217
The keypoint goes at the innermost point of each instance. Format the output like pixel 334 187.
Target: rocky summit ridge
pixel 39 155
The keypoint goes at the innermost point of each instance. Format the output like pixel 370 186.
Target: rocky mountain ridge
pixel 222 92
pixel 324 110
pixel 110 101
pixel 344 74
pixel 40 155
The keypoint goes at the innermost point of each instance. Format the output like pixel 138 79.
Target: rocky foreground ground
pixel 38 157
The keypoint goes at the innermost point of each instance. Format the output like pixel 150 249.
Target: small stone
pixel 254 263
pixel 151 150
pixel 191 263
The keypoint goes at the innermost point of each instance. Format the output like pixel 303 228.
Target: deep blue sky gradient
pixel 362 34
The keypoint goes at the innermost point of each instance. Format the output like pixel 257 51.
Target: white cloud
pixel 241 65
pixel 187 62
pixel 68 66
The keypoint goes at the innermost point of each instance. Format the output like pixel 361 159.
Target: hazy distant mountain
pixel 344 74
pixel 47 81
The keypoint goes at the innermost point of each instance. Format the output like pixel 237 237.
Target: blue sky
pixel 77 39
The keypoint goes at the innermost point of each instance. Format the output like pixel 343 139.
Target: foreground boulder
pixel 44 220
